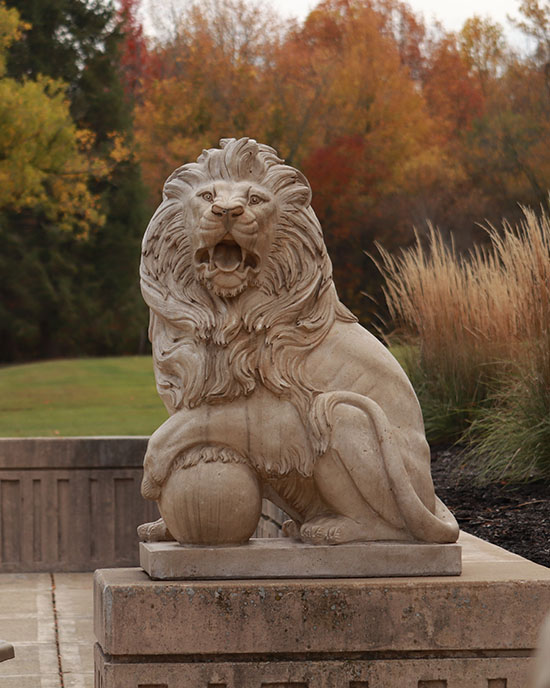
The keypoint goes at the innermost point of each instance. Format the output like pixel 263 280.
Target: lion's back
pixel 352 359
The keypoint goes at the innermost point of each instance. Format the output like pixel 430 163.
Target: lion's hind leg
pixel 361 476
pixel 352 481
pixel 348 517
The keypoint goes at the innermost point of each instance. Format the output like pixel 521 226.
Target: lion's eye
pixel 255 199
pixel 207 195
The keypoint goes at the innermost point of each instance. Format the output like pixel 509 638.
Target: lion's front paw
pixel 156 531
pixel 290 529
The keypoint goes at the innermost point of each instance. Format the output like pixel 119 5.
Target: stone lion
pixel 273 388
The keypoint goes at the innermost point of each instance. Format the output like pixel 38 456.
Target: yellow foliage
pixel 120 151
pixel 42 164
pixel 46 163
pixel 11 28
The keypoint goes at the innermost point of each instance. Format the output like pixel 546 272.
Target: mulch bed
pixel 516 517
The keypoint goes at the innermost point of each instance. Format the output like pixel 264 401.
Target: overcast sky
pixel 451 13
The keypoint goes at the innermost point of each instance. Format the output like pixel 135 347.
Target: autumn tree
pixel 535 23
pixel 483 48
pixel 335 97
pixel 525 104
pixel 368 138
pixel 209 85
pixel 44 163
pixel 136 61
pixel 394 123
pixel 503 151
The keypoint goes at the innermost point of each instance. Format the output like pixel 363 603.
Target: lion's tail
pixel 423 524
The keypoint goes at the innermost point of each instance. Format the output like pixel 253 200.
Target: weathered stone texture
pixel 71 503
pixel 414 673
pixel 284 558
pixel 473 631
pixel 272 386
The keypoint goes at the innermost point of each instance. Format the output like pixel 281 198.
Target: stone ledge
pixel 284 558
pixel 24 453
pixel 496 604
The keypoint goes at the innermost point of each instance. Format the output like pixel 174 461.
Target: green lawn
pixel 94 396
pixel 85 396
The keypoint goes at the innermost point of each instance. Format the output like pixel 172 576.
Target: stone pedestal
pixel 473 631
pixel 284 558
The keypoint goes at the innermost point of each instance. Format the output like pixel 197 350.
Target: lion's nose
pixel 225 210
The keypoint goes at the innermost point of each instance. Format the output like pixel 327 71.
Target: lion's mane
pixel 208 348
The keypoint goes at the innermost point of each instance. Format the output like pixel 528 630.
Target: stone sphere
pixel 212 503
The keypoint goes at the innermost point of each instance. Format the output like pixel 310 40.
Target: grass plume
pixel 479 330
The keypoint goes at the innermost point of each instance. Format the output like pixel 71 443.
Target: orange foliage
pixel 392 124
pixel 135 59
pixel 212 86
pixel 453 93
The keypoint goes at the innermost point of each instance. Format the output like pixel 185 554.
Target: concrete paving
pixel 48 619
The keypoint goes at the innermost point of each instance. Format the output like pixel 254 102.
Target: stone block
pixel 541 673
pixel 284 558
pixel 505 672
pixel 473 631
pixel 71 503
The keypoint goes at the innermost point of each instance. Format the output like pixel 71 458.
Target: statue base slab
pixel 476 630
pixel 284 558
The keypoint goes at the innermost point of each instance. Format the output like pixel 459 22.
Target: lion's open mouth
pixel 227 256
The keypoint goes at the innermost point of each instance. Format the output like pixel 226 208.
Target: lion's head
pixel 234 225
pixel 236 273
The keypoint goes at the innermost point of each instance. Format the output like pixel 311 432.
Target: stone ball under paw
pixel 212 503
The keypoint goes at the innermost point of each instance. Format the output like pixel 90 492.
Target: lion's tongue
pixel 227 257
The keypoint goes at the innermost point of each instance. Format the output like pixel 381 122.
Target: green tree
pixel 43 161
pixel 44 173
pixel 74 46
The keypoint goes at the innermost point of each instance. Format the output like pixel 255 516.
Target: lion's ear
pixel 298 192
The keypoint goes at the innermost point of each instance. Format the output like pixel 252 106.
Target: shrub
pixel 480 326
pixel 511 440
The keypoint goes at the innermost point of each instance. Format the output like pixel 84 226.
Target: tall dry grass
pixel 479 329
pixel 453 310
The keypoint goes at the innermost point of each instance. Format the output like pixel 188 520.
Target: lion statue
pixel 273 388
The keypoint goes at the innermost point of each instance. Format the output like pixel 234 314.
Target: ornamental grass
pixel 477 330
